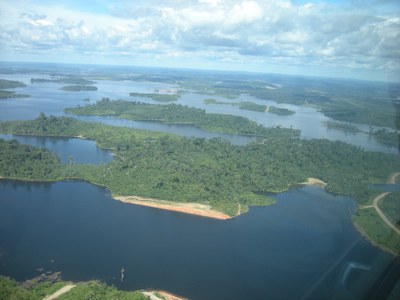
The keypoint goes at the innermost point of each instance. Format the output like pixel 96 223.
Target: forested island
pixel 360 102
pixel 68 80
pixel 158 96
pixel 247 105
pixel 215 173
pixel 78 88
pixel 10 84
pixel 178 114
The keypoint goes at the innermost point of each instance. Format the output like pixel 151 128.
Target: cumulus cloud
pixel 359 34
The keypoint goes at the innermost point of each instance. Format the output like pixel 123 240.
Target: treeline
pixel 179 114
pixel 371 103
pixel 158 97
pixel 247 105
pixel 386 137
pixel 10 289
pixel 78 88
pixel 22 161
pixel 212 171
pixel 68 80
pixel 10 94
pixel 10 84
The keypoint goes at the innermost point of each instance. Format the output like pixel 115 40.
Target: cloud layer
pixel 354 36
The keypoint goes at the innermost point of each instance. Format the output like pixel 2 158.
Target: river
pixel 50 99
pixel 295 248
pixel 303 247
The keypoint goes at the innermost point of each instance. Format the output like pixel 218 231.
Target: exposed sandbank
pixel 188 208
pixel 314 181
pixel 162 295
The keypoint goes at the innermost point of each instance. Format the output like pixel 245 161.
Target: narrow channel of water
pixel 78 150
pixel 48 98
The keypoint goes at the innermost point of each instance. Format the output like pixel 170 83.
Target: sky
pixel 332 38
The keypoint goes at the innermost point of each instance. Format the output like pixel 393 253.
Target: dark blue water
pixel 79 150
pixel 298 248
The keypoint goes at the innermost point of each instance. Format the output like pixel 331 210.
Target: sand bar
pixel 187 208
pixel 315 181
pixel 155 295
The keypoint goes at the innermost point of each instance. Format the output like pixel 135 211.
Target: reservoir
pixel 79 151
pixel 47 97
pixel 299 248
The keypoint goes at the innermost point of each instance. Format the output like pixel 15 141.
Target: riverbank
pixel 197 209
pixel 161 295
pixel 314 181
pixel 372 224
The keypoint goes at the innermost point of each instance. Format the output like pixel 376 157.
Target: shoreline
pixel 365 236
pixel 314 181
pixel 197 209
pixel 161 295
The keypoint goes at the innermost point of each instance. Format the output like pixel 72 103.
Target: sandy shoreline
pixel 187 208
pixel 314 181
pixel 161 295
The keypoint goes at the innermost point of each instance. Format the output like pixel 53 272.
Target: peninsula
pixel 198 175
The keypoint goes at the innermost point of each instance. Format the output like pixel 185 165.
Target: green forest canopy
pixel 198 170
pixel 180 114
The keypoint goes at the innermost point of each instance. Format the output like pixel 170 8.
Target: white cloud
pixel 213 30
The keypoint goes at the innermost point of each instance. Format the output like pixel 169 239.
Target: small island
pixel 78 88
pixel 178 114
pixel 247 105
pixel 159 97
pixel 10 84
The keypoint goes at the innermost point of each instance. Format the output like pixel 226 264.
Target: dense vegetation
pixel 346 127
pixel 247 105
pixel 206 171
pixel 371 103
pixel 179 114
pixel 280 111
pixel 242 105
pixel 68 80
pixel 372 226
pixel 22 161
pixel 10 84
pixel 386 137
pixel 78 88
pixel 158 97
pixel 10 289
pixel 10 94
pixel 390 206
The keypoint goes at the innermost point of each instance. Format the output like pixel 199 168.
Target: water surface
pixel 297 248
pixel 48 98
pixel 74 150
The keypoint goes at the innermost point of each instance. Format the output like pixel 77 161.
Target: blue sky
pixel 355 39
